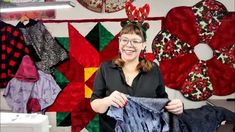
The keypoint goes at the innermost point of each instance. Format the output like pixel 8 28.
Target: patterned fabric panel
pixel 208 15
pixel 227 55
pixel 197 85
pixel 167 46
pixel 93 5
pixel 115 5
pixel 100 6
pixel 49 51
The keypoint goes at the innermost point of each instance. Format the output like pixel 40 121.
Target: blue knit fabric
pixel 148 115
pixel 141 114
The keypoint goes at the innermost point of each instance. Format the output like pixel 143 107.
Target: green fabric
pixel 61 80
pixel 63 119
pixel 99 37
pixel 93 125
pixel 63 41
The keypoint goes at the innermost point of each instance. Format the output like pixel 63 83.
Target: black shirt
pixel 110 77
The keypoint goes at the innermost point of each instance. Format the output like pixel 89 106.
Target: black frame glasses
pixel 125 41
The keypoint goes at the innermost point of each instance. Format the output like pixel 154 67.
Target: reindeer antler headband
pixel 137 15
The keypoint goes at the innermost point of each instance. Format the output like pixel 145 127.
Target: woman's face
pixel 130 46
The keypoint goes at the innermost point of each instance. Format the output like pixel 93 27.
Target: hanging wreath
pixel 196 50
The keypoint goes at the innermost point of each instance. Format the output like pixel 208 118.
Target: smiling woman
pixel 128 74
pixel 132 42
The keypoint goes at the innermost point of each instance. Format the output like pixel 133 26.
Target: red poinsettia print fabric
pixel 206 22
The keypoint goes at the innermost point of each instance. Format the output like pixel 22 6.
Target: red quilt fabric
pixel 72 98
pixel 81 55
pixel 183 28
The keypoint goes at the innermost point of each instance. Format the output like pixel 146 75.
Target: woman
pixel 130 74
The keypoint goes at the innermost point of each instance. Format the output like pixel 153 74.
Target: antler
pixel 134 14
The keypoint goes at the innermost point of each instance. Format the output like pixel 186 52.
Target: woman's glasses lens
pixel 125 41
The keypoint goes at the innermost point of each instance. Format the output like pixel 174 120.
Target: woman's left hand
pixel 175 106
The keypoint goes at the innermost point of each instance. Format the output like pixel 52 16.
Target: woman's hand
pixel 116 99
pixel 175 106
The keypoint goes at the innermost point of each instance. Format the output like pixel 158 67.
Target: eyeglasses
pixel 125 41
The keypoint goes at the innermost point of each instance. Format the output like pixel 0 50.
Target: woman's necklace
pixel 130 73
pixel 129 80
pixel 130 77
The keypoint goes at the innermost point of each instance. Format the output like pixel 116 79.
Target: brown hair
pixel 133 28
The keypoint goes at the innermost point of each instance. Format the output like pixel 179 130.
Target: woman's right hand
pixel 117 99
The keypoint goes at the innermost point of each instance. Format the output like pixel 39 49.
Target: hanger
pixel 26 21
pixel 24 18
